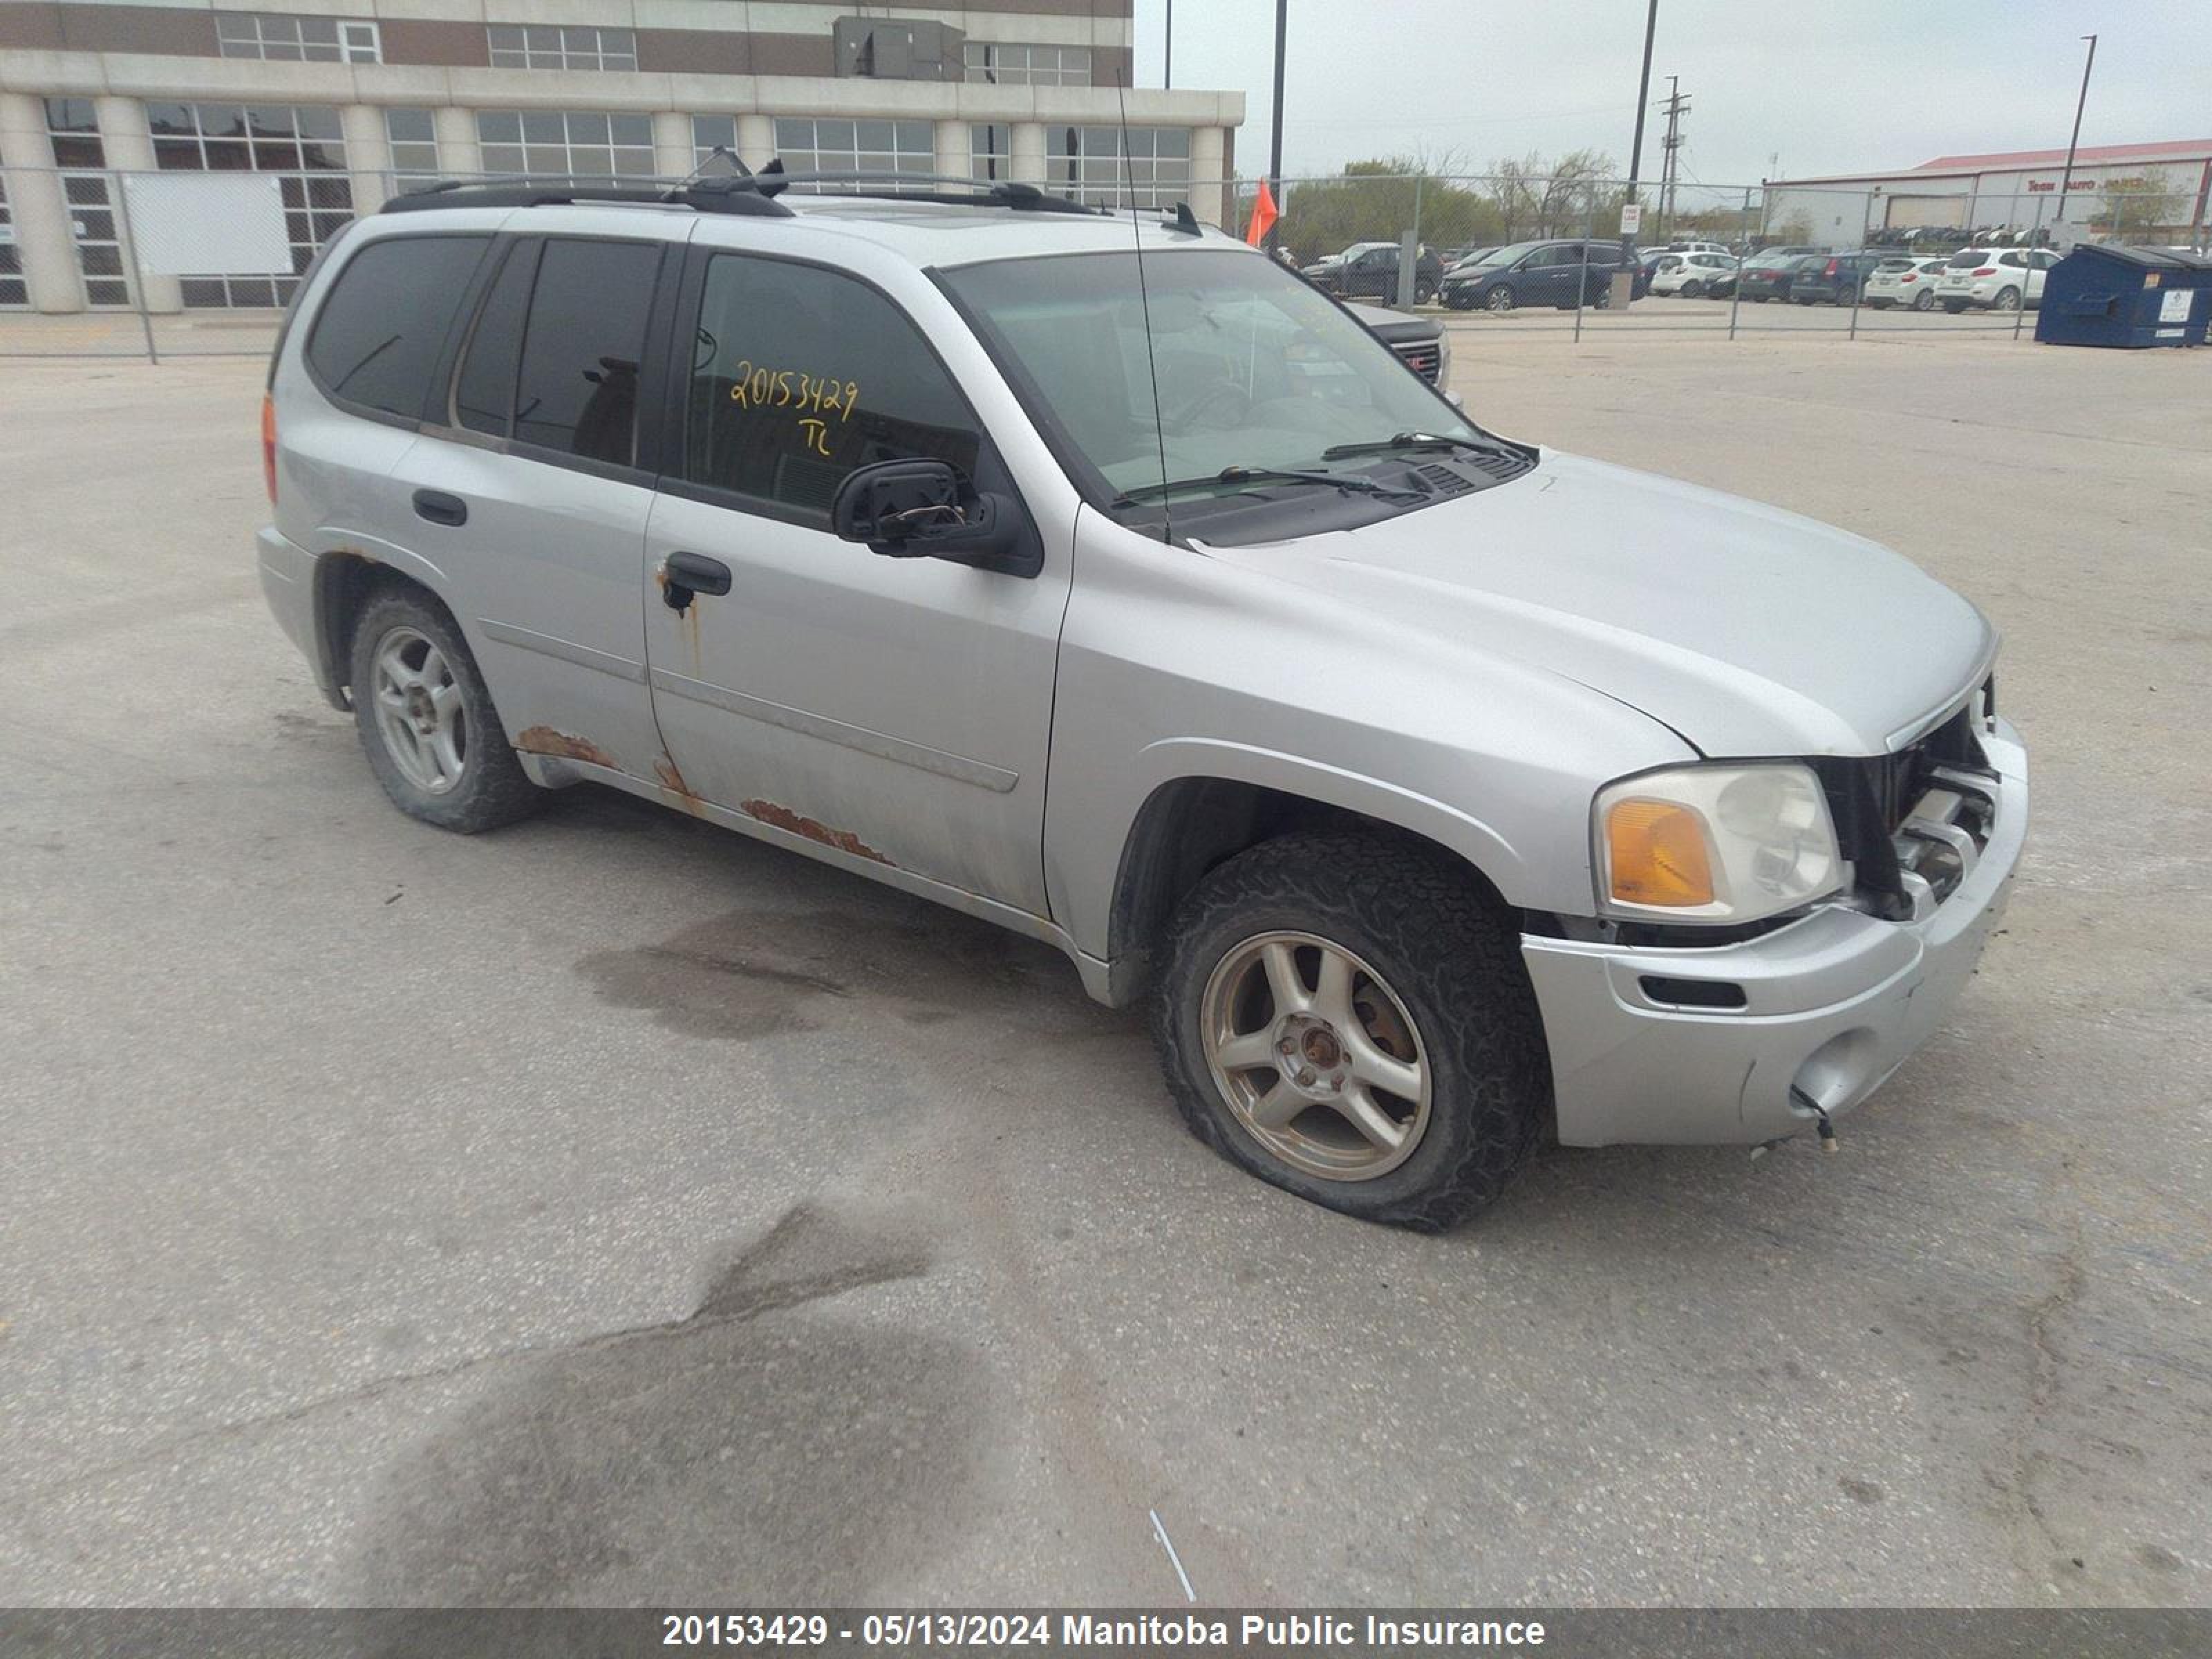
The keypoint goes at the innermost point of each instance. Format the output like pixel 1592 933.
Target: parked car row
pixel 1981 279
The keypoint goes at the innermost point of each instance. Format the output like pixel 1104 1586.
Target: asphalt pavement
pixel 611 1209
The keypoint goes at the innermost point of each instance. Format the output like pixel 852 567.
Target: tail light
pixel 1987 270
pixel 1907 278
pixel 268 446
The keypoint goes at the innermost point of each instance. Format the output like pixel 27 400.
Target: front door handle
pixel 439 507
pixel 691 573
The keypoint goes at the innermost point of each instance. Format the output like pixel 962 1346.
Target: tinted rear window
pixel 581 349
pixel 378 337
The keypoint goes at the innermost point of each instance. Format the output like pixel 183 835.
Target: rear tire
pixel 1954 306
pixel 426 718
pixel 1923 301
pixel 1425 1020
pixel 2008 299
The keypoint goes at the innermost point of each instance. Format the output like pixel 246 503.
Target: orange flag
pixel 1264 215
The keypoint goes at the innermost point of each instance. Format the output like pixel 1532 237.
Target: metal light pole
pixel 2066 180
pixel 1275 136
pixel 1167 49
pixel 1642 96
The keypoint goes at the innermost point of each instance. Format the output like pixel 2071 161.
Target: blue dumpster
pixel 2102 295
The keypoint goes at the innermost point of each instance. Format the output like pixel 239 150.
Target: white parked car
pixel 1994 278
pixel 1691 275
pixel 1904 281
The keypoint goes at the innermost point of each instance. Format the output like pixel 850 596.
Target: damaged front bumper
pixel 1829 1006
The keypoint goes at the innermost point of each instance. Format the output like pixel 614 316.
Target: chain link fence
pixel 103 263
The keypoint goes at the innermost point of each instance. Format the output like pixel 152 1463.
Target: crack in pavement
pixel 728 1302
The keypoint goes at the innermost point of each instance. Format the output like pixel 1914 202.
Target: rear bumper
pixel 288 583
pixel 1833 1004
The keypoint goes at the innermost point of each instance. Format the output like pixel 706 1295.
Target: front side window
pixel 801 375
pixel 1254 369
pixel 378 336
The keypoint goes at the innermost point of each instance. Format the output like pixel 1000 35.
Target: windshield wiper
pixel 1351 484
pixel 1409 440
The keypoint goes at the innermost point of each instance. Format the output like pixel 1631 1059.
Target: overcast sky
pixel 1854 86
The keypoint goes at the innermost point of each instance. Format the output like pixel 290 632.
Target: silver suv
pixel 1106 580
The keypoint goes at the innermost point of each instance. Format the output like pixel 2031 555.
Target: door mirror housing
pixel 927 509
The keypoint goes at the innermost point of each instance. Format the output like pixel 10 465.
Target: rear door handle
pixel 694 573
pixel 439 507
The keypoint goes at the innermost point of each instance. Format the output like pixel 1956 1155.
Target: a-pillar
pixel 44 242
pixel 128 143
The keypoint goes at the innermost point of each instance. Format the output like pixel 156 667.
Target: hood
pixel 1747 630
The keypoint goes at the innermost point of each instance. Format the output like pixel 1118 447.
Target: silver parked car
pixel 1440 792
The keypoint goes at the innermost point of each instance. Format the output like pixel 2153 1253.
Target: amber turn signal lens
pixel 1656 851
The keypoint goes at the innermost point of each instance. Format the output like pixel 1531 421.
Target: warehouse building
pixel 2153 193
pixel 341 102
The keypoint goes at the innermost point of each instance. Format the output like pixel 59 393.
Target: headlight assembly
pixel 1715 843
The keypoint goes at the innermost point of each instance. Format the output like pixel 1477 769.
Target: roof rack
pixel 752 193
pixel 703 196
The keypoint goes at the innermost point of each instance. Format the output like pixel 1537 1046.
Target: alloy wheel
pixel 1315 1056
pixel 420 712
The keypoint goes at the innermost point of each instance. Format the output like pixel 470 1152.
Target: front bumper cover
pixel 1833 1004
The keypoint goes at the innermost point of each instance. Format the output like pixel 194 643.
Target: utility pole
pixel 1275 136
pixel 2066 181
pixel 1643 94
pixel 1676 107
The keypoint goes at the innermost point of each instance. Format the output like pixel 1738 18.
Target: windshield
pixel 1505 256
pixel 1256 371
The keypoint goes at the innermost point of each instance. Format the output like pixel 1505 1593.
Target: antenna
pixel 1144 300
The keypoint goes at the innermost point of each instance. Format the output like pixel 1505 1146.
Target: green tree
pixel 2135 210
pixel 1379 201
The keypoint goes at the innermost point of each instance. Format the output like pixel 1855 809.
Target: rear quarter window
pixel 378 337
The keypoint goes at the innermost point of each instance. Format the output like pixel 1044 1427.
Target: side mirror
pixel 924 509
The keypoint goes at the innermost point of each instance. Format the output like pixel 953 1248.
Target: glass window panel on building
pixel 13 292
pixel 281 38
pixel 812 144
pixel 303 144
pixel 560 45
pixel 74 133
pixel 1091 164
pixel 413 135
pixel 710 133
pixel 1013 63
pixel 566 143
pixel 990 151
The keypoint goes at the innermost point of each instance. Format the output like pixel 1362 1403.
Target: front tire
pixel 1692 291
pixel 427 722
pixel 1501 299
pixel 1346 1017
